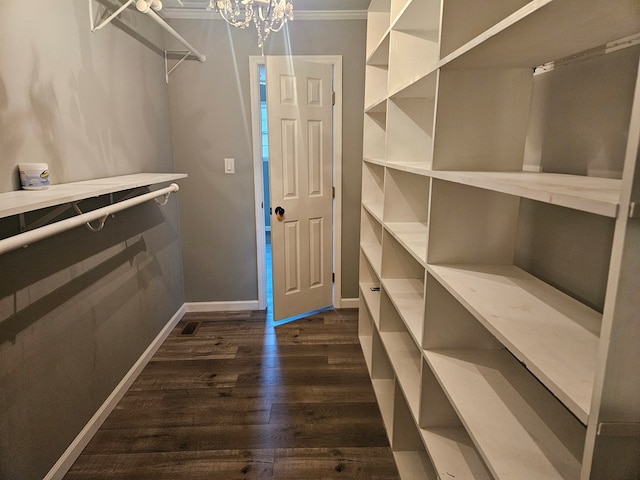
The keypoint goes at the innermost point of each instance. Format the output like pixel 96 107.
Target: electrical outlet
pixel 229 165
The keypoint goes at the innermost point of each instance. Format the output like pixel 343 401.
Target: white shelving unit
pixel 500 236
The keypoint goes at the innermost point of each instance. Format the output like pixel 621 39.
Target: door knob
pixel 279 213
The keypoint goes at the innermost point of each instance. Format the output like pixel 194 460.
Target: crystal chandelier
pixel 267 15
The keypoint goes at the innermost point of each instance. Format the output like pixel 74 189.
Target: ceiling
pixel 338 8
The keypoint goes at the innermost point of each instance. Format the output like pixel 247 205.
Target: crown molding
pixel 200 14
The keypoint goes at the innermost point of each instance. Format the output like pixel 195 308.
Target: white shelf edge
pixel 376 161
pixel 595 195
pixel 22 201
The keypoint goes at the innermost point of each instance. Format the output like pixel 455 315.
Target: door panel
pixel 300 170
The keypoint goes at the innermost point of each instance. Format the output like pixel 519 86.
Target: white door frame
pixel 254 62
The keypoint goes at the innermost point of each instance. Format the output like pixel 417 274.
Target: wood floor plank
pixel 241 398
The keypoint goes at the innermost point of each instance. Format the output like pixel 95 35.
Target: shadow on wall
pixel 28 266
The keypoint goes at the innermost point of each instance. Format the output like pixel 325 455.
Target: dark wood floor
pixel 243 399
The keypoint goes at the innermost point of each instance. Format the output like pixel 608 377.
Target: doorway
pixel 261 181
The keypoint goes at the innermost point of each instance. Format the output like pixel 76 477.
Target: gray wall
pixel 77 310
pixel 211 120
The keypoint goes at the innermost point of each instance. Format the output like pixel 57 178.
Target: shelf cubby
pixel 519 428
pixel 376 89
pixel 378 22
pixel 406 211
pixel 370 288
pixel 373 189
pixel 383 381
pixel 410 132
pixel 403 283
pixel 465 20
pixel 397 7
pixel 449 324
pixel 539 32
pixel 451 450
pixel 471 225
pixel 408 450
pixel 553 335
pixel 415 30
pixel 375 136
pixel 482 118
pixel 405 356
pixel 371 239
pixel 365 331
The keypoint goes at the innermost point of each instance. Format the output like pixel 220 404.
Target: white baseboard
pixel 221 306
pixel 71 454
pixel 349 303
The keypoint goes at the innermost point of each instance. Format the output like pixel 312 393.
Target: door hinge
pixel 333 192
pixel 333 98
pixel 333 277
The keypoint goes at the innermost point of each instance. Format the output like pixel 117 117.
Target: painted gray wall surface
pixel 578 125
pixel 211 120
pixel 77 310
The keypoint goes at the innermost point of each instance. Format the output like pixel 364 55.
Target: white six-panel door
pixel 299 103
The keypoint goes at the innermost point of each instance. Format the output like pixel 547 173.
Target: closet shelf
pixel 600 196
pixel 596 195
pixel 22 201
pixel 546 30
pixel 380 54
pixel 375 209
pixel 405 359
pixel 412 236
pixel 407 298
pixel 372 299
pixel 519 428
pixel 453 453
pixel 555 336
pixel 373 253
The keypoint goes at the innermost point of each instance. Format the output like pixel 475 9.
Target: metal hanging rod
pixel 148 7
pixel 100 215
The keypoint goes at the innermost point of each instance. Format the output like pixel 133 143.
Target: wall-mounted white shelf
pixel 22 201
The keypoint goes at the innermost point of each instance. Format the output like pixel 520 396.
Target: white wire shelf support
pixel 149 8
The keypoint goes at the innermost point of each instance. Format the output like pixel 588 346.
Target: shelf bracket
pixel 167 70
pixel 45 219
pixel 100 220
pixel 145 7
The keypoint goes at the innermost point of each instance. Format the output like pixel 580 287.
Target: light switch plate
pixel 229 165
